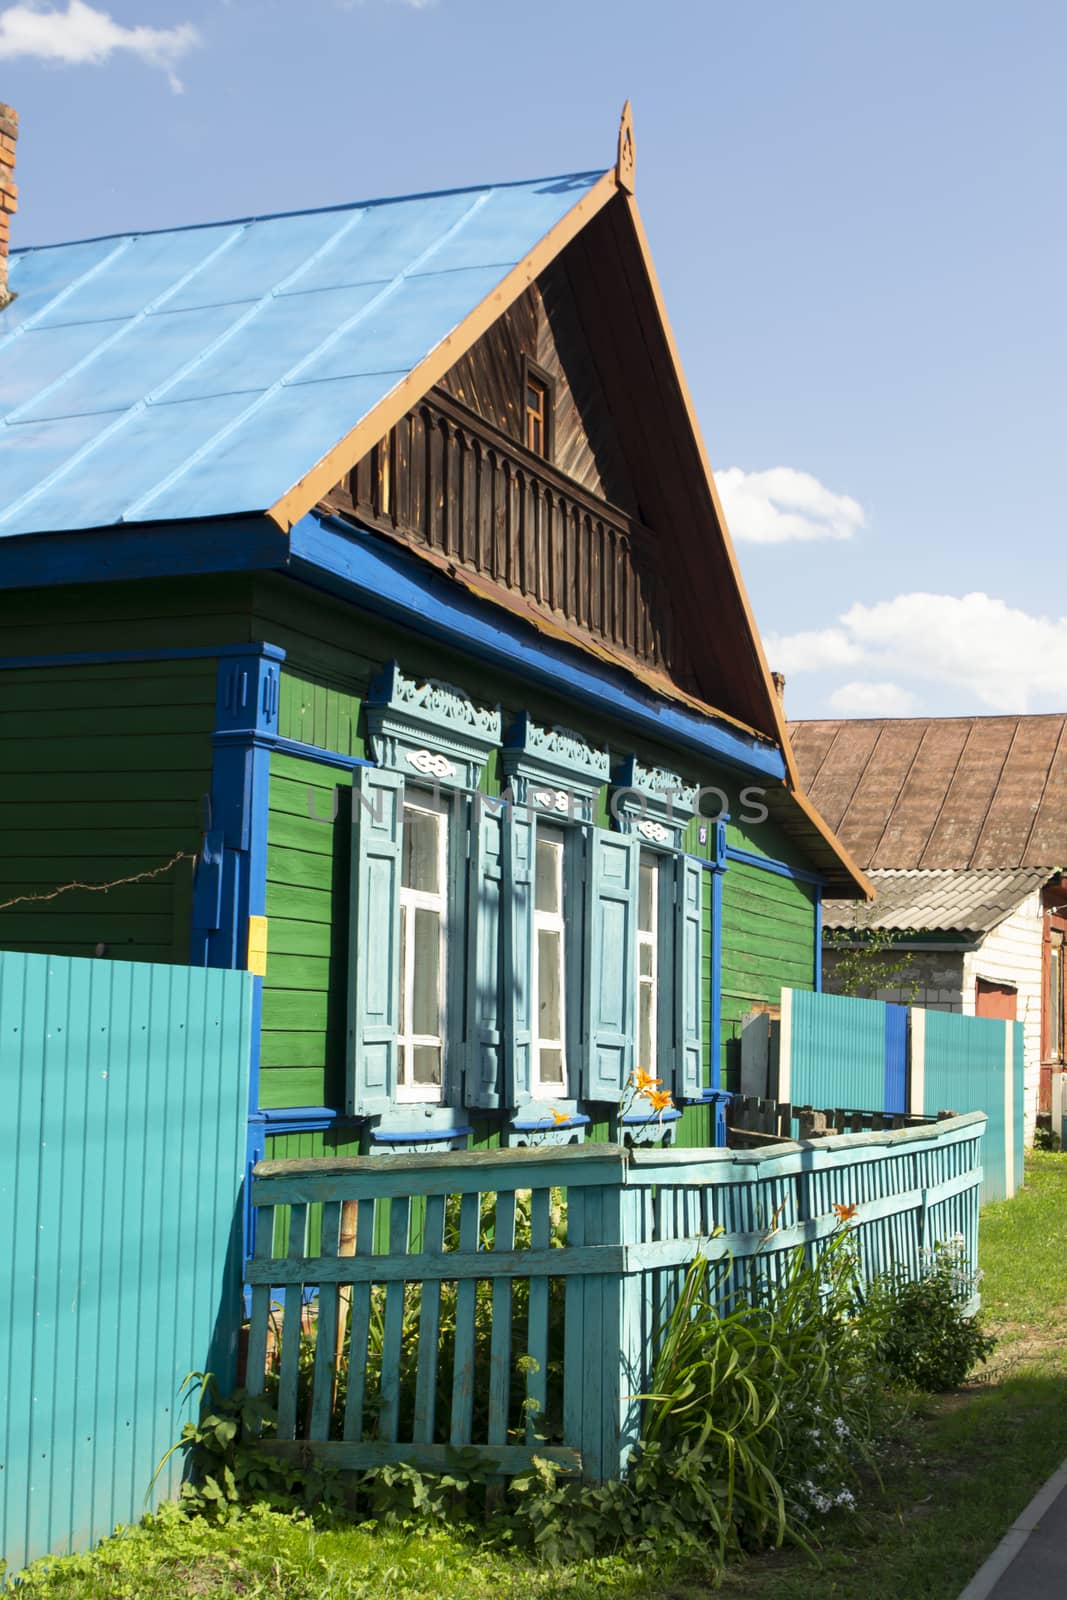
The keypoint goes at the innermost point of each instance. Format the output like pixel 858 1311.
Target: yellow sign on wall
pixel 257 946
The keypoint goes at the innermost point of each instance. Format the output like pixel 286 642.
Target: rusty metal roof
pixel 934 792
pixel 940 899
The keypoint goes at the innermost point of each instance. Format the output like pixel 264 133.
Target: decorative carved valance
pixel 430 731
pixel 554 770
pixel 653 804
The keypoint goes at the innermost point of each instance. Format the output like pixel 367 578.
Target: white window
pixel 423 950
pixel 549 957
pixel 647 961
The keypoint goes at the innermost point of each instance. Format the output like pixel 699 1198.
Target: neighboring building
pixel 321 533
pixel 961 825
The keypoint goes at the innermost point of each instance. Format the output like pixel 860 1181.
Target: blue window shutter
pixel 482 977
pixel 519 840
pixel 374 942
pixel 689 1031
pixel 612 965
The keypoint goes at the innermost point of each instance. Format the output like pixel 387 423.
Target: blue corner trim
pixel 231 879
pixel 153 550
pixel 818 939
pixel 326 758
pixel 781 869
pixel 99 658
pixel 335 555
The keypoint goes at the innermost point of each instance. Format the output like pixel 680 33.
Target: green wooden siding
pixel 102 773
pixel 303 1039
pixel 768 941
pixel 306 1147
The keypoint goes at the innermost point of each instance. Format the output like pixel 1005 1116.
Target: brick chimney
pixel 9 194
pixel 778 679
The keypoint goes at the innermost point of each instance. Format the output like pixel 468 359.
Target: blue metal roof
pixel 203 371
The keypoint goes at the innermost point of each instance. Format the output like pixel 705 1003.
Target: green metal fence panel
pixel 833 1051
pixel 964 1064
pixel 523 1316
pixel 126 1091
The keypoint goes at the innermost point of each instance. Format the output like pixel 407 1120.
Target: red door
pixel 999 1000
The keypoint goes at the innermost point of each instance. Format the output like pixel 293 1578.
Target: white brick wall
pixel 1012 954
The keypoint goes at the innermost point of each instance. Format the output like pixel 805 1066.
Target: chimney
pixel 9 194
pixel 778 679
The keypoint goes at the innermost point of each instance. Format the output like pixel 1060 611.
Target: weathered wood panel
pixel 473 497
pixel 543 326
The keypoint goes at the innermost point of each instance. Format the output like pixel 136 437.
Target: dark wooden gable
pixel 613 539
pixel 543 327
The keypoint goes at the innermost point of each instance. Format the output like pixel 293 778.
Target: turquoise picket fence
pixel 504 1304
pixel 125 1092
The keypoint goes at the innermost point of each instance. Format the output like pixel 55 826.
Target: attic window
pixel 537 408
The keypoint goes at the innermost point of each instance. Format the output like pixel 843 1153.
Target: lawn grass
pixel 973 1460
pixel 962 1471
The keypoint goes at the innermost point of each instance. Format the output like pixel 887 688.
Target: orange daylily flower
pixel 659 1099
pixel 844 1213
pixel 559 1116
pixel 644 1081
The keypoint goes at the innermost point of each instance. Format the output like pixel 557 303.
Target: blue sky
pixel 857 215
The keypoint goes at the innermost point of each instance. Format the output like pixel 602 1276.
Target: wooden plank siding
pixel 103 769
pixel 303 1041
pixel 559 532
pixel 768 941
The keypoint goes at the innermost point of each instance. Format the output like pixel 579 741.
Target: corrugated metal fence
pixel 508 1302
pixel 125 1093
pixel 836 1050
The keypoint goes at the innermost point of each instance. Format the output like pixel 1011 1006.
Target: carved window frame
pixel 431 732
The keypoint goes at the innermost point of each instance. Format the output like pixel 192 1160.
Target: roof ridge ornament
pixel 627 156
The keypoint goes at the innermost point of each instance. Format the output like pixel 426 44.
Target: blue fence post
pixel 604 1358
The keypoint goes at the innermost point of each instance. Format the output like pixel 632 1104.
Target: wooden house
pixel 961 825
pixel 370 619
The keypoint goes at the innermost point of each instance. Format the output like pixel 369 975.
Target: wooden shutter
pixel 519 834
pixel 611 969
pixel 374 940
pixel 484 939
pixel 688 1002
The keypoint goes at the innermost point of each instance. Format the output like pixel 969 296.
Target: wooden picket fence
pixel 505 1304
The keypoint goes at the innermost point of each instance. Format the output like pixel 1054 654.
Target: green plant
pixel 224 1466
pixel 869 960
pixel 922 1329
pixel 760 1415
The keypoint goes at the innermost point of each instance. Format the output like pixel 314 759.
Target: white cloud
pixel 83 36
pixel 860 699
pixel 1006 658
pixel 782 504
pixel 812 651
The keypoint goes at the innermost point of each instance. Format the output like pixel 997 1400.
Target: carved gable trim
pixel 555 771
pixel 430 731
pixel 653 804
